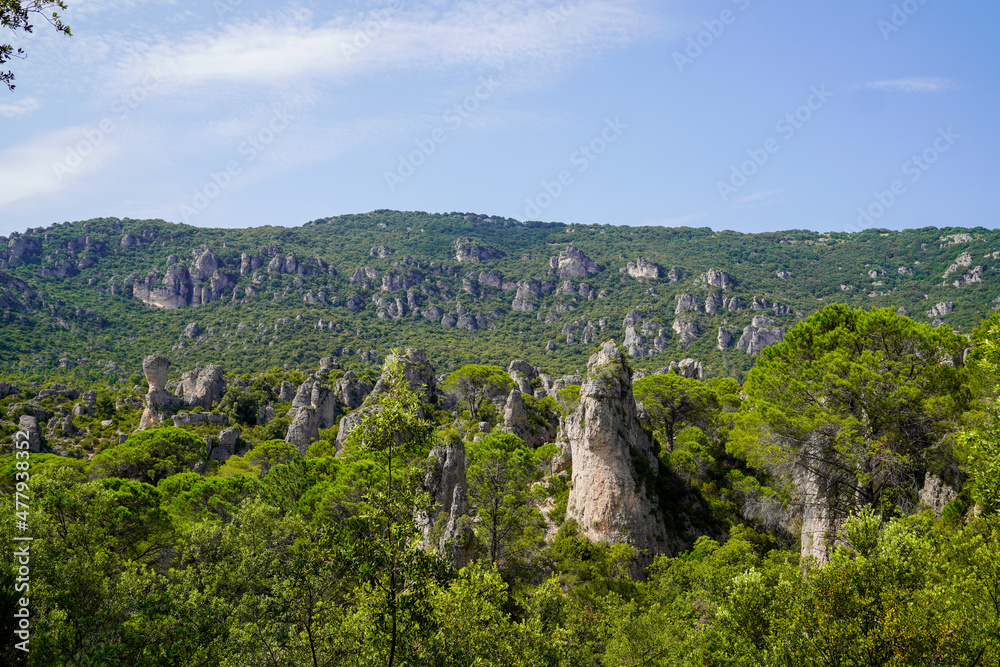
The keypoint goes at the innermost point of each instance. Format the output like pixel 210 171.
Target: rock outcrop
pixel 526 291
pixel 650 338
pixel 724 339
pixel 714 278
pixel 29 426
pixel 304 429
pixel 689 368
pixel 941 309
pixel 643 269
pixel 935 494
pixel 466 251
pixel 351 390
pixel 685 303
pixel 202 387
pixel 447 528
pixel 286 392
pixel 687 330
pixel 181 285
pixel 189 418
pixel 612 497
pixel 157 399
pixel 760 333
pixel 419 374
pixel 572 263
pixel 816 493
pixel 522 373
pixel 226 445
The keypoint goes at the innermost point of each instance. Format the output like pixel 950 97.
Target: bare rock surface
pixel 643 269
pixel 202 387
pixel 572 263
pixel 29 426
pixel 610 498
pixel 760 333
pixel 447 528
pixel 157 399
pixel 304 429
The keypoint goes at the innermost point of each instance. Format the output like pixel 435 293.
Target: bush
pixel 151 455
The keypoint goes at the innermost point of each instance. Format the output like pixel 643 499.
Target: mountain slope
pixel 466 287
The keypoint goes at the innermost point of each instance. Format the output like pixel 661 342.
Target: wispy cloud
pixel 28 169
pixel 917 84
pixel 759 197
pixel 20 108
pixel 285 48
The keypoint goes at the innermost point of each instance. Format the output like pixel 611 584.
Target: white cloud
pixel 917 84
pixel 49 163
pixel 759 197
pixel 20 108
pixel 282 49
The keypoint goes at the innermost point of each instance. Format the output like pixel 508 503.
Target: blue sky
pixel 732 114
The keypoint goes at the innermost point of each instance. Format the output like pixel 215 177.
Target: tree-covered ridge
pixel 468 288
pixel 433 533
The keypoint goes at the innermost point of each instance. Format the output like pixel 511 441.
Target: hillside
pixel 98 295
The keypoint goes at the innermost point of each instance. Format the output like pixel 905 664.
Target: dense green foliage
pixel 147 552
pixel 88 319
pixel 864 400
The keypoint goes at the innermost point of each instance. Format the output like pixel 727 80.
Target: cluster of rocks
pixel 573 263
pixel 184 285
pixel 643 270
pixel 467 251
pixel 447 528
pixel 198 388
pixel 762 332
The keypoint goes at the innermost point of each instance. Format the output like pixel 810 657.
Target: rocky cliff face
pixel 193 285
pixel 611 496
pixel 643 269
pixel 817 491
pixel 447 527
pixel 760 333
pixel 572 263
pixel 466 251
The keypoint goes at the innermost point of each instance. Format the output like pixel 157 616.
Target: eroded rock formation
pixel 643 269
pixel 157 399
pixel 448 528
pixel 612 496
pixel 202 387
pixel 419 374
pixel 572 263
pixel 760 333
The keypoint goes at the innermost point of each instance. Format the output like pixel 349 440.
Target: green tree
pixel 151 455
pixel 980 444
pixel 397 440
pixel 672 402
pixel 856 400
pixel 243 404
pixel 17 16
pixel 474 384
pixel 501 470
pixel 474 628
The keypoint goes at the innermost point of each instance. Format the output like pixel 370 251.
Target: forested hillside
pixel 465 287
pixel 424 440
